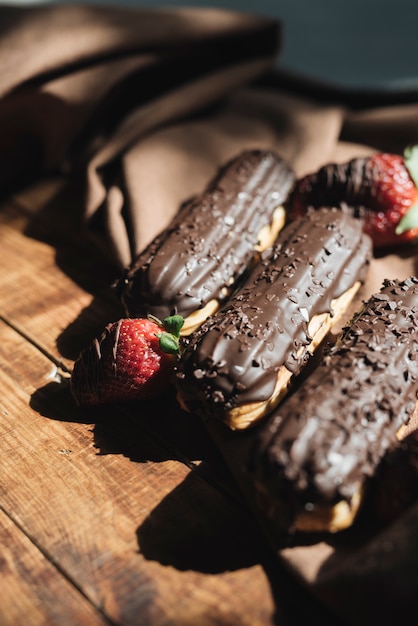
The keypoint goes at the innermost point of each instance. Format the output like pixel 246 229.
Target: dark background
pixel 354 43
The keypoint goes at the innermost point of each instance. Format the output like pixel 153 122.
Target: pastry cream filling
pixel 332 519
pixel 243 416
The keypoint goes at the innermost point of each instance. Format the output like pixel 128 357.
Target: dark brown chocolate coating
pixel 326 439
pixel 395 486
pixel 352 182
pixel 210 242
pixel 234 357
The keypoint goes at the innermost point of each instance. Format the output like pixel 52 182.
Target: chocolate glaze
pixel 329 436
pixel 395 485
pixel 235 356
pixel 211 240
pixel 352 182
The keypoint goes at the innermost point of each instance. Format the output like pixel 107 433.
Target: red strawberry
pixel 381 188
pixel 132 359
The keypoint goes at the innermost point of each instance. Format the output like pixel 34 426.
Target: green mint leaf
pixel 409 220
pixel 411 162
pixel 168 343
pixel 173 324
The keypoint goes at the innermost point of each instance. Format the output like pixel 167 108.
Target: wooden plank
pixel 33 591
pixel 117 514
pixel 138 538
pixel 44 301
pixel 55 313
pixel 36 197
pixel 111 481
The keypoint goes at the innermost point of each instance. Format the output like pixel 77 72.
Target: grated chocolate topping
pixel 235 356
pixel 210 242
pixel 330 435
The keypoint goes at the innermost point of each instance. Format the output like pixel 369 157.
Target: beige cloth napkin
pixel 142 106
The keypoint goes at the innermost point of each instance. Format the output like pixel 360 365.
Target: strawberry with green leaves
pixel 382 189
pixel 133 359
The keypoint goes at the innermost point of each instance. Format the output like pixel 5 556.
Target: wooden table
pixel 114 516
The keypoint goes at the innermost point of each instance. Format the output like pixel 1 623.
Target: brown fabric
pixel 144 105
pixel 81 86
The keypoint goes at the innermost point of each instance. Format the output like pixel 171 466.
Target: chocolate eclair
pixel 314 455
pixel 239 364
pixel 192 266
pixel 394 488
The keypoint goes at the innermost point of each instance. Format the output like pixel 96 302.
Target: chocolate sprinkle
pixel 210 242
pixel 266 319
pixel 329 437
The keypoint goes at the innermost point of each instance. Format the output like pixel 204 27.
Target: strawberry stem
pixel 169 338
pixel 155 320
pixel 409 220
pixel 411 162
pixel 173 324
pixel 168 343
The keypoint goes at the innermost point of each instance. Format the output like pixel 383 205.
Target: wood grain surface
pixel 124 515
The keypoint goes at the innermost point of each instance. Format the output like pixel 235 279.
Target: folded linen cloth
pixel 81 86
pixel 143 106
